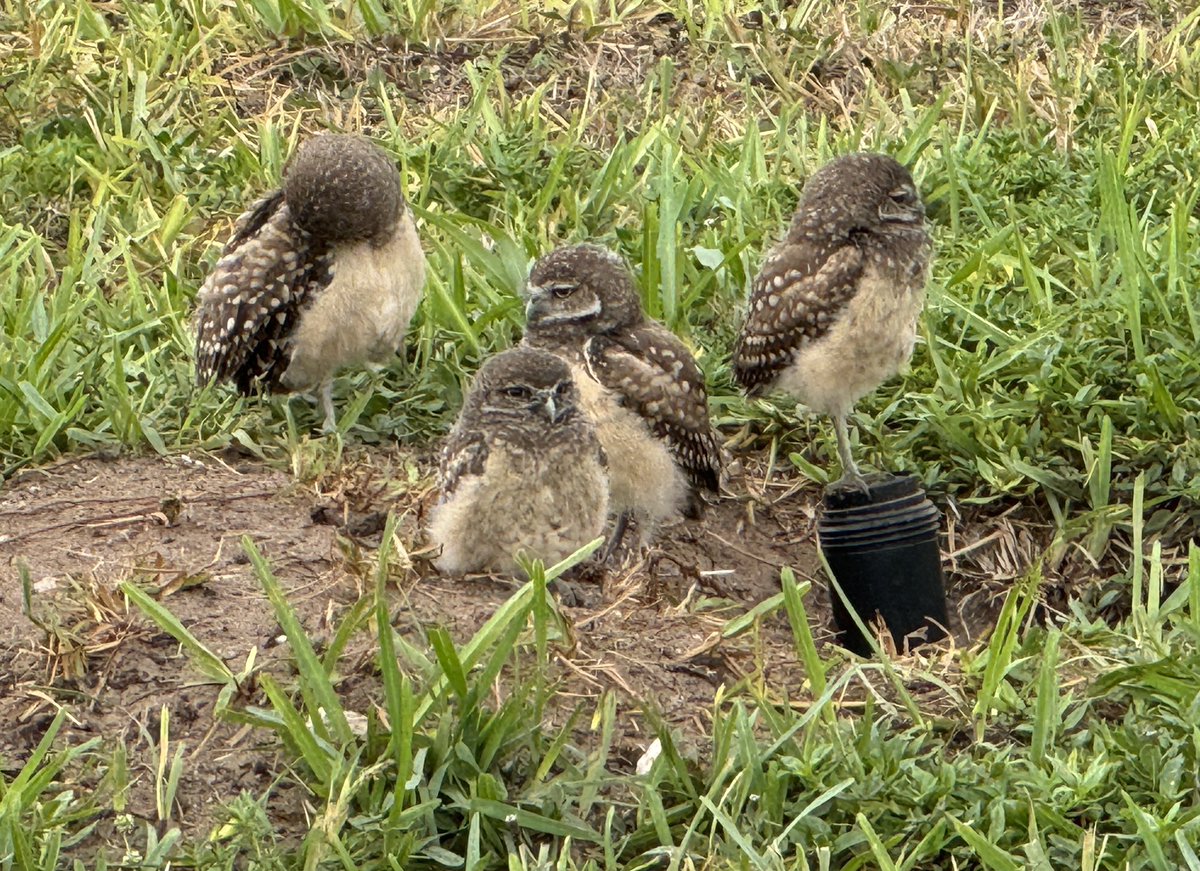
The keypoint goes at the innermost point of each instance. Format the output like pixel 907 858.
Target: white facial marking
pixel 580 314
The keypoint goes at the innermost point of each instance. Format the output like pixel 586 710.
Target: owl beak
pixel 536 307
pixel 547 404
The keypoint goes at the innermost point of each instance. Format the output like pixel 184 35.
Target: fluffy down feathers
pixel 654 374
pixel 522 471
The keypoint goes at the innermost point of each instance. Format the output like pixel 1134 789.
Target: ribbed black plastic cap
pixel 883 550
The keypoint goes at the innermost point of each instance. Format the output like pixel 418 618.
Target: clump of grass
pixel 433 773
pixel 1069 744
pixel 40 815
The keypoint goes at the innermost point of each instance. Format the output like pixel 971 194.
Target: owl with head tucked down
pixel 322 274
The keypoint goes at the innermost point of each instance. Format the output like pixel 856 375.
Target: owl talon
pixel 614 540
pixel 852 481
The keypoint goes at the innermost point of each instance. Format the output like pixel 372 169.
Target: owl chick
pixel 522 471
pixel 834 308
pixel 321 274
pixel 637 381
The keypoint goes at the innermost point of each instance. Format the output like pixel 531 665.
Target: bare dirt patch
pixel 651 630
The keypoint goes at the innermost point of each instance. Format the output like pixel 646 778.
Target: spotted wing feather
pixel 795 299
pixel 464 455
pixel 252 300
pixel 654 374
pixel 253 219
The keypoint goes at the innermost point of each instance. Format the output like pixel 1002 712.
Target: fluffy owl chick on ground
pixel 321 274
pixel 637 381
pixel 522 471
pixel 834 308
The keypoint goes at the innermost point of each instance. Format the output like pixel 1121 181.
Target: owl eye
pixel 905 196
pixel 562 388
pixel 562 291
pixel 517 392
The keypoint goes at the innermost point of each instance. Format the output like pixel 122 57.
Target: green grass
pixel 1059 371
pixel 1063 214
pixel 1083 755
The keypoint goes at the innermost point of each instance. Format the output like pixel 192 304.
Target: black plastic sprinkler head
pixel 882 547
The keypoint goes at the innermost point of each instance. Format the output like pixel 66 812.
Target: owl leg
pixel 618 534
pixel 327 407
pixel 851 477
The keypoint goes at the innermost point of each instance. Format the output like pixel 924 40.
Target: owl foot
pixel 614 540
pixel 851 480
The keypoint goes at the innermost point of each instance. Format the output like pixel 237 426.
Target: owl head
pixel 343 188
pixel 581 289
pixel 524 384
pixel 859 194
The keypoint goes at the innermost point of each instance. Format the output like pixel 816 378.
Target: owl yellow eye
pixel 518 392
pixel 562 291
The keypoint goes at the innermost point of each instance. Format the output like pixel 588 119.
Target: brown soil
pixel 649 631
pixel 825 66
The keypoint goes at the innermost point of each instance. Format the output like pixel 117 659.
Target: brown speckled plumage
pixel 833 310
pixel 522 470
pixel 638 380
pixel 323 273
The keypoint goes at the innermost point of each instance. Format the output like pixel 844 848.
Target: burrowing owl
pixel 522 471
pixel 637 381
pixel 323 273
pixel 834 308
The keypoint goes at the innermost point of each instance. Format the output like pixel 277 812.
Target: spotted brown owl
pixel 637 381
pixel 834 308
pixel 522 471
pixel 322 274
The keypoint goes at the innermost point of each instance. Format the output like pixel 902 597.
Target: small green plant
pixel 40 816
